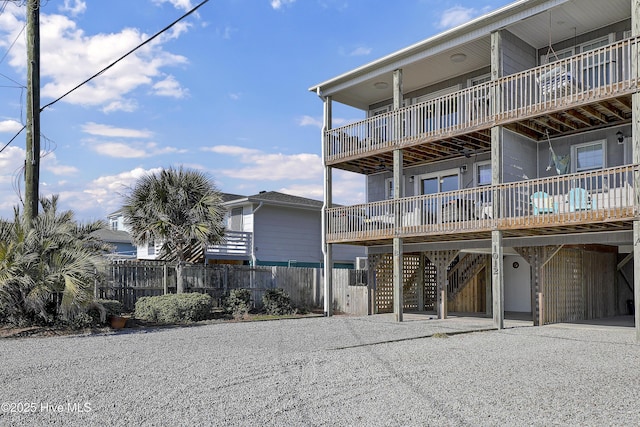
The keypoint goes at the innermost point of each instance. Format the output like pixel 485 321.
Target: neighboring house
pixel 272 228
pixel 501 162
pixel 118 236
pixel 269 228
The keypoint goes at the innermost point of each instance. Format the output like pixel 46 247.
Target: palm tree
pixel 54 260
pixel 179 207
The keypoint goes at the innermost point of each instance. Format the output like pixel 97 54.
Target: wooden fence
pixel 126 281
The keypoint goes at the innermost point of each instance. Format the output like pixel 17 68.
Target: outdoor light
pixel 458 57
pixel 380 85
pixel 620 137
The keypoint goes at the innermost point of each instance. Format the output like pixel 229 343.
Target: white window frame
pixel 476 169
pixel 439 174
pixel 574 154
pixel 574 50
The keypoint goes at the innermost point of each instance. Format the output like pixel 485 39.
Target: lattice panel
pixel 430 286
pixel 384 284
pixel 410 266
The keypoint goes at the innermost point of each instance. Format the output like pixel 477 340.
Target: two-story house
pixel 502 165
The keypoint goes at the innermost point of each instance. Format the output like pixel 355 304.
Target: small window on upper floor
pixel 151 247
pixel 483 173
pixel 588 156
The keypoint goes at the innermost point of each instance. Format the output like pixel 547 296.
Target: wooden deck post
pixel 398 184
pixel 327 248
pixel 497 278
pixel 635 154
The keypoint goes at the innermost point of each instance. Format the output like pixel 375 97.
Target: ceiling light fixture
pixel 458 57
pixel 381 85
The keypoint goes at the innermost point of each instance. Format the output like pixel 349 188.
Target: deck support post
pixel 441 260
pixel 398 192
pixel 398 282
pixel 636 276
pixel 497 278
pixel 327 248
pixel 635 154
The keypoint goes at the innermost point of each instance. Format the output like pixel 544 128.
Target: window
pixel 378 130
pixel 235 220
pixel 596 70
pixel 114 224
pixel 151 247
pixel 588 156
pixel 483 174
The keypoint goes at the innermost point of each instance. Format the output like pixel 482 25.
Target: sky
pixel 224 91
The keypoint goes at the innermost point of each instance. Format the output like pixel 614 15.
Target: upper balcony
pixel 586 91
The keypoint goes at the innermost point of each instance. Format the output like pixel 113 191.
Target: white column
pixel 327 248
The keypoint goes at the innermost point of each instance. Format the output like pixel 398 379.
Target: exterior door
pixel 436 184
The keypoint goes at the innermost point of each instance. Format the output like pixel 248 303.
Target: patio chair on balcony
pixel 542 203
pixel 579 199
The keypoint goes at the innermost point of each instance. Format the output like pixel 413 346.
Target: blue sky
pixel 225 91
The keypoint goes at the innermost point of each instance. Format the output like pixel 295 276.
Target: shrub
pixel 174 308
pixel 238 303
pixel 277 302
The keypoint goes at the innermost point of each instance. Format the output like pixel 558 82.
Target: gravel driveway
pixel 327 371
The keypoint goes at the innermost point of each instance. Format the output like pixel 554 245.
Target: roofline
pixel 245 200
pixel 474 24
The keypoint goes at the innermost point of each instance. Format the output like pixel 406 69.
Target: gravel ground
pixel 327 371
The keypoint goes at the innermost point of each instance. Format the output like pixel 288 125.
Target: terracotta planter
pixel 117 322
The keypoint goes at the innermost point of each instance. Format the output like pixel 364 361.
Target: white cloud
pixel 72 56
pixel 170 87
pixel 235 96
pixel 10 126
pixel 74 7
pixel 104 194
pixel 132 150
pixel 49 163
pixel 310 121
pixel 456 16
pixel 107 130
pixel 360 51
pixel 278 4
pixel 270 167
pixel 178 4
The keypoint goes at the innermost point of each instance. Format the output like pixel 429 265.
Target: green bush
pixel 238 303
pixel 277 302
pixel 174 308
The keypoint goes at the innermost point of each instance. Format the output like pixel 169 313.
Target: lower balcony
pixel 602 200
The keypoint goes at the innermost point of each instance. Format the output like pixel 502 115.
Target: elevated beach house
pixel 502 165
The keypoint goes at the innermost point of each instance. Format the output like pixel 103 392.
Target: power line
pixel 107 67
pixel 126 54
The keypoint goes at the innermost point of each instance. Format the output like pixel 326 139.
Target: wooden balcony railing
pixel 236 245
pixel 601 196
pixel 592 75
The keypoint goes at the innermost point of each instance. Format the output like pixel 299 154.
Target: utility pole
pixel 32 160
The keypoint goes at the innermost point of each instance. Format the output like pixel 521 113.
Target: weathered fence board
pixel 127 281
